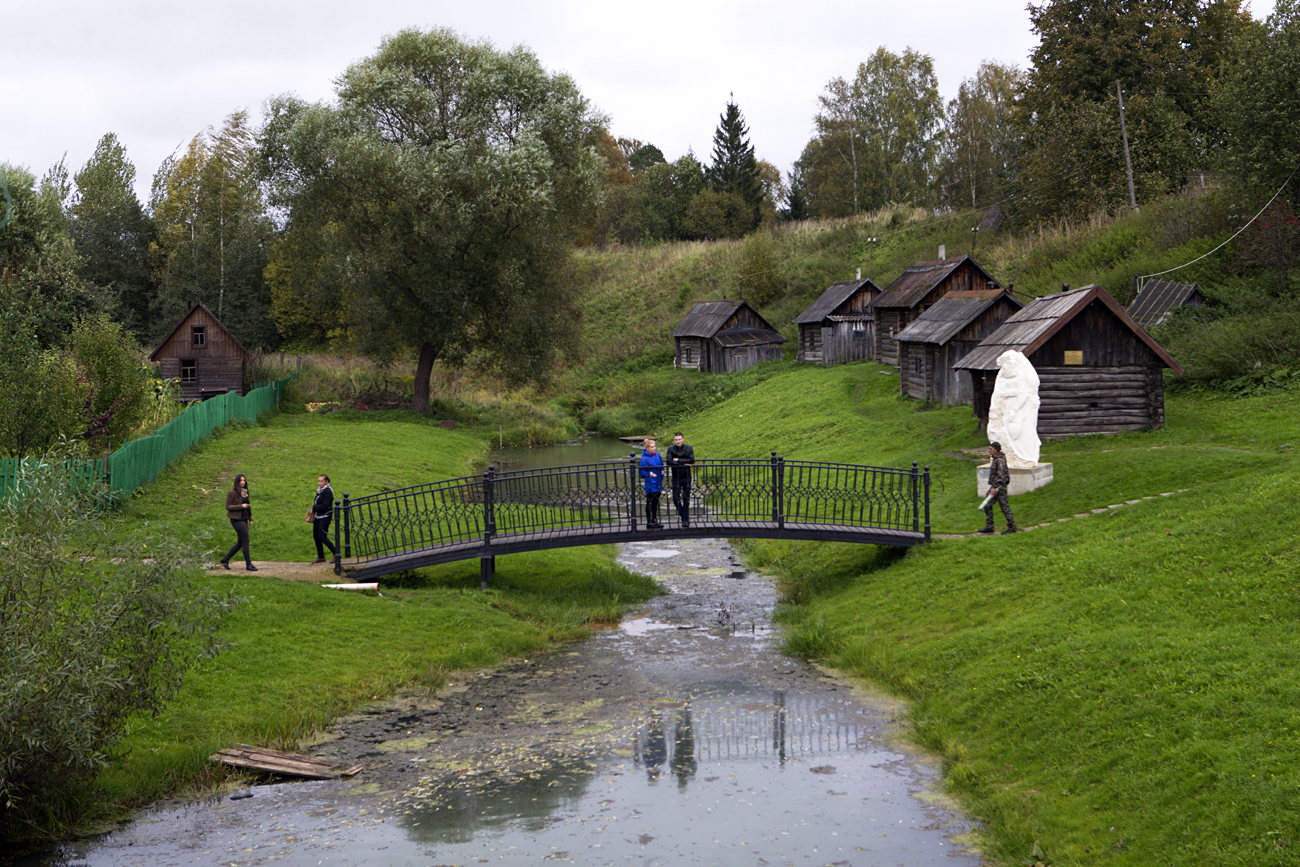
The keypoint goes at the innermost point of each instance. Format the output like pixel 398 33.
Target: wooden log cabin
pixel 839 326
pixel 944 335
pixel 722 336
pixel 202 355
pixel 1099 372
pixel 915 291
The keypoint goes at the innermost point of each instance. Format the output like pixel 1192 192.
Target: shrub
pixel 91 632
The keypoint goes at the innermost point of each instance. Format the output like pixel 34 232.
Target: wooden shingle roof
pixel 917 281
pixel 950 314
pixel 1034 324
pixel 835 295
pixel 186 318
pixel 707 319
pixel 1158 299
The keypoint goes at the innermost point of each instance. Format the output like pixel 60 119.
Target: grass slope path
pixel 1088 514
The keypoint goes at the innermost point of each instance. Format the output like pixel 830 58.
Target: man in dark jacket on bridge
pixel 681 458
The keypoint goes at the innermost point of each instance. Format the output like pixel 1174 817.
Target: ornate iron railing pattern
pixel 607 499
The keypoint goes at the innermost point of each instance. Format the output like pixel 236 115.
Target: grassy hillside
pixel 1116 688
pixel 632 297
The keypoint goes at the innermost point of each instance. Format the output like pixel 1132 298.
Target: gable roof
pixel 1034 324
pixel 835 295
pixel 950 314
pixel 707 318
pixel 186 318
pixel 1158 299
pixel 919 280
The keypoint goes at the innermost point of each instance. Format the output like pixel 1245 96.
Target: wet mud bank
pixel 682 737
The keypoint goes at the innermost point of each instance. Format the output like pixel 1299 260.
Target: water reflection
pixel 759 775
pixel 584 450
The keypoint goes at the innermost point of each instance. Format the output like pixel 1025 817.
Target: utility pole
pixel 1128 163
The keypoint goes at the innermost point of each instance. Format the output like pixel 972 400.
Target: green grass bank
pixel 298 655
pixel 1117 688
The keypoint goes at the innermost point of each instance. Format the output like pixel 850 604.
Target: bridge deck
pixel 516 543
pixel 596 504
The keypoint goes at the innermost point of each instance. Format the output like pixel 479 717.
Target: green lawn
pixel 1117 689
pixel 299 655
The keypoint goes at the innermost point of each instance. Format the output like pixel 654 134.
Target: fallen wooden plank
pixel 277 762
pixel 371 586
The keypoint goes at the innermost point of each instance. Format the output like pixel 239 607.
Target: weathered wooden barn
pixel 839 326
pixel 721 336
pixel 915 291
pixel 942 336
pixel 1099 372
pixel 1160 298
pixel 203 355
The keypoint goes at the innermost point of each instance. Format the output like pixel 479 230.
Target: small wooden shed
pixel 1099 372
pixel 203 355
pixel 839 326
pixel 915 291
pixel 945 334
pixel 1160 298
pixel 721 336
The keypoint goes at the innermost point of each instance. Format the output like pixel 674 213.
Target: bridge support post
pixel 778 490
pixel 916 511
pixel 633 489
pixel 487 563
pixel 927 504
pixel 338 529
pixel 347 527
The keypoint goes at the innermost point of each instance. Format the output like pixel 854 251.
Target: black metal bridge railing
pixel 481 516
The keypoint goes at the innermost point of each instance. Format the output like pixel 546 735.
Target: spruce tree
pixel 734 168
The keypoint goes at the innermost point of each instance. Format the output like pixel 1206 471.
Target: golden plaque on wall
pixel 1074 356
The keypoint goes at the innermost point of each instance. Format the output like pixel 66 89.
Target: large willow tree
pixel 433 207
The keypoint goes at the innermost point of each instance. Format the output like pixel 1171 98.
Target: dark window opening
pixel 199 335
pixel 189 370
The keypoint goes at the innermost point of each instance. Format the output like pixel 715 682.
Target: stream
pixel 683 736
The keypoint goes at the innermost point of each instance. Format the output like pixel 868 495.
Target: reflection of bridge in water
pixel 596 504
pixel 741 724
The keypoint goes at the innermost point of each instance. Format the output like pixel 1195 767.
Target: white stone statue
pixel 1013 411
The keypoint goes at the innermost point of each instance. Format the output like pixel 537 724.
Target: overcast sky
pixel 158 73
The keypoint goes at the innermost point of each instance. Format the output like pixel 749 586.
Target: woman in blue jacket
pixel 652 470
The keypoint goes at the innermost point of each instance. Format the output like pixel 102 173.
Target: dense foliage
pixel 433 208
pixel 92 631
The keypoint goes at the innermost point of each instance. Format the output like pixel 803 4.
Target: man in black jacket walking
pixel 999 478
pixel 681 458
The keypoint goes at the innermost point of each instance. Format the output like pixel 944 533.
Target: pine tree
pixel 735 168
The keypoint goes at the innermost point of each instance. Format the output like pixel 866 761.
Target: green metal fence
pixel 82 473
pixel 140 461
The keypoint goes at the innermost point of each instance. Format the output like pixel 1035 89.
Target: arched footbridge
pixel 595 504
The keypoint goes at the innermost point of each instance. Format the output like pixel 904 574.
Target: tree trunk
pixel 423 370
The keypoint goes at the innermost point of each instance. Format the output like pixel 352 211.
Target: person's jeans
pixel 320 534
pixel 241 541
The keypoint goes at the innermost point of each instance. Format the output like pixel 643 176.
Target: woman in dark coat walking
pixel 323 509
pixel 241 515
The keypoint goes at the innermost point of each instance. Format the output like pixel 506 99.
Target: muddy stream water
pixel 683 736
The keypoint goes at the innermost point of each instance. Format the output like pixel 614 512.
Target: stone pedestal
pixel 1023 480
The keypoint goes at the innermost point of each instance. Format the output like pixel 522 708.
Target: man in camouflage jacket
pixel 999 478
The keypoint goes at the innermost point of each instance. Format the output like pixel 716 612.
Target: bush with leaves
pixel 92 631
